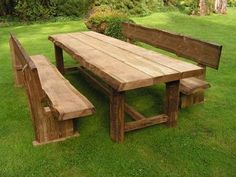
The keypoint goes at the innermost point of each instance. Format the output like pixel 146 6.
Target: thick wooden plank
pixel 172 102
pixel 117 74
pixel 117 116
pixel 184 68
pixel 192 85
pixel 202 52
pixel 142 123
pixel 155 70
pixel 65 99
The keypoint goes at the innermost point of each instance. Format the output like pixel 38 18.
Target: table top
pixel 122 65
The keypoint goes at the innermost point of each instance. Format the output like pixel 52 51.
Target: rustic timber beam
pixel 133 113
pixel 142 123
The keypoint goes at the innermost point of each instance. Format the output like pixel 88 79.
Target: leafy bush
pixel 7 7
pixel 132 7
pixel 28 10
pixel 232 3
pixel 107 21
pixel 72 7
pixel 32 10
pixel 188 6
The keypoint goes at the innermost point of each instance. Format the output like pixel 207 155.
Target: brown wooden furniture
pixel 53 101
pixel 123 66
pixel 204 53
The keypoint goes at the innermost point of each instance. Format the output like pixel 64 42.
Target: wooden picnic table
pixel 124 66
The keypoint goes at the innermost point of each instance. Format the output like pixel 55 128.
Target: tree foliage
pixel 105 20
pixel 29 10
pixel 7 7
pixel 133 7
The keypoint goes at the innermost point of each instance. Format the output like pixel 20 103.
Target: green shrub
pixel 7 7
pixel 132 7
pixel 107 21
pixel 28 10
pixel 232 3
pixel 32 10
pixel 76 8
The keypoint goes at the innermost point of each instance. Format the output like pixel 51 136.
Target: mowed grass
pixel 202 144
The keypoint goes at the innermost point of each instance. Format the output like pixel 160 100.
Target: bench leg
pixel 189 100
pixel 59 59
pixel 117 116
pixel 172 102
pixel 48 129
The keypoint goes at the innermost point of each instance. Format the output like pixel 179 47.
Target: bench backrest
pixel 204 53
pixel 30 77
pixel 28 69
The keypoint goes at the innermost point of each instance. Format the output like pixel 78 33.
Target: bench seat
pixel 65 100
pixel 192 85
pixel 54 102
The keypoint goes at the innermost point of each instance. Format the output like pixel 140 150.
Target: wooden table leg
pixel 59 59
pixel 172 102
pixel 117 121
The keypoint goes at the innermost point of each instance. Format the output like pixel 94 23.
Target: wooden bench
pixel 203 53
pixel 53 101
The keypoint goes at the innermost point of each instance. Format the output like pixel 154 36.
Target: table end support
pixel 172 102
pixel 117 115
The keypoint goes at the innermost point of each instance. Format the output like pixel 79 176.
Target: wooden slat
pixel 153 69
pixel 186 69
pixel 65 99
pixel 192 85
pixel 117 74
pixel 145 122
pixel 202 52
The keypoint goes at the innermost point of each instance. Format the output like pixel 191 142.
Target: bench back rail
pixel 204 53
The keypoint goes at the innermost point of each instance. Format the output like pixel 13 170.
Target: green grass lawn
pixel 202 144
